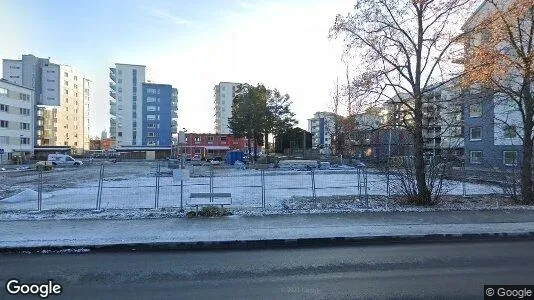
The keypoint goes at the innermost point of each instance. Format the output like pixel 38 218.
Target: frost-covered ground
pixel 133 191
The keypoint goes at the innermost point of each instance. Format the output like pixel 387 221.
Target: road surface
pixel 410 271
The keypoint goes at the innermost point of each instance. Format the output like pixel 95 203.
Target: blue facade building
pixel 159 103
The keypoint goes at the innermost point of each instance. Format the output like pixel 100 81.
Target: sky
pixel 192 45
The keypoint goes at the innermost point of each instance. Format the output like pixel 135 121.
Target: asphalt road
pixel 410 271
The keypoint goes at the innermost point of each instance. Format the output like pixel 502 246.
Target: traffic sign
pixel 1 150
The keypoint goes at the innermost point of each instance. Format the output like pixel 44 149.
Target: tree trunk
pixel 423 197
pixel 266 143
pixel 249 145
pixel 526 169
pixel 255 150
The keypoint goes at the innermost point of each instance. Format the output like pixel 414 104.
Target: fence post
pixel 464 184
pixel 263 189
pixel 387 180
pixel 156 194
pixel 365 186
pixel 100 183
pixel 40 191
pixel 313 184
pixel 211 183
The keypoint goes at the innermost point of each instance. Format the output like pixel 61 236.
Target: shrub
pixel 191 214
pixel 214 211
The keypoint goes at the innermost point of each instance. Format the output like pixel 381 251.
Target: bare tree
pixel 403 48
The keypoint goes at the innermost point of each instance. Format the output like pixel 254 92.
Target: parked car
pixel 63 159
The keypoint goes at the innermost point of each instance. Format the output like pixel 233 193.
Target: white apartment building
pixel 322 127
pixel 126 107
pixel 224 96
pixel 61 101
pixel 16 120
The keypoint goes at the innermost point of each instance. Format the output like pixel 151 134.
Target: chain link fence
pixel 151 185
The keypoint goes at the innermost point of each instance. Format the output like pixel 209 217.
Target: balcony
pixel 112 94
pixel 113 86
pixel 113 74
pixel 174 114
pixel 174 129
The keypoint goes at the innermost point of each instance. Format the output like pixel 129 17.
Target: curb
pixel 274 243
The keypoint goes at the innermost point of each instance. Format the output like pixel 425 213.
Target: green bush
pixel 214 211
pixel 191 214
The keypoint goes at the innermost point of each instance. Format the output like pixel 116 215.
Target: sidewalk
pixel 180 233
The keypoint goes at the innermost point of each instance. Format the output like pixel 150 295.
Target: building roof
pixel 142 148
pixel 120 64
pixel 14 84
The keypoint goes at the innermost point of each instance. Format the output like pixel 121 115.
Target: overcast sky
pixel 192 45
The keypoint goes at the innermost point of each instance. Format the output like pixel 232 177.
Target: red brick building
pixel 208 145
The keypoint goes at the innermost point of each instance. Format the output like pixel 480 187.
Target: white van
pixel 63 159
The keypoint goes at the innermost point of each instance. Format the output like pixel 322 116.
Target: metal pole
pixel 313 184
pixel 464 187
pixel 211 183
pixel 181 185
pixel 40 191
pixel 156 194
pixel 100 184
pixel 263 189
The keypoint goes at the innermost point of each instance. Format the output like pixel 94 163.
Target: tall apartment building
pixel 16 120
pixel 159 103
pixel 321 126
pixel 126 109
pixel 224 96
pixel 493 123
pixel 61 98
pixel 142 113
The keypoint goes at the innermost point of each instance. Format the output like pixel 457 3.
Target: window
pixel 197 139
pixel 475 134
pixel 50 71
pixel 475 110
pixel 50 80
pixel 66 83
pixel 4 140
pixel 66 92
pixel 150 117
pixel 66 74
pixel 151 108
pixel 25 126
pixel 150 99
pixel 509 132
pixel 119 134
pixel 4 124
pixel 475 157
pixel 197 151
pixel 25 141
pixel 223 88
pixel 134 115
pixel 223 95
pixel 210 139
pixel 14 67
pixel 509 158
pixel 4 107
pixel 151 125
pixel 25 111
pixel 119 80
pixel 50 89
pixel 151 134
pixel 223 139
pixel 3 91
pixel 24 97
